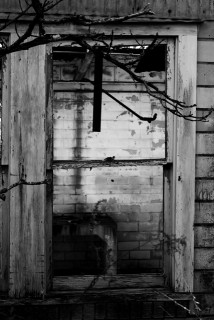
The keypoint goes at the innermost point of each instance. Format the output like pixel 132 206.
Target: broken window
pixel 108 185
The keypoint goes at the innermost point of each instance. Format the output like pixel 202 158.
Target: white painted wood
pixel 205 51
pixel 184 166
pixel 140 29
pixel 205 97
pixel 180 264
pixel 27 160
pixel 5 109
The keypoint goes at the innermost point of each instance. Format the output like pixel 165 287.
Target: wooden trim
pixel 5 109
pixel 4 233
pixel 27 160
pixel 49 106
pixel 184 167
pixel 179 175
pixel 141 29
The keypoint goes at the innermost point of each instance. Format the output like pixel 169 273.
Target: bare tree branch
pixel 21 182
pixel 82 20
pixel 176 107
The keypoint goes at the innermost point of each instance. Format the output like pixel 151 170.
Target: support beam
pixel 98 75
pixel 27 157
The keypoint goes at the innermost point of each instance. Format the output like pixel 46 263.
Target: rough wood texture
pixel 205 49
pixel 204 144
pixel 205 74
pixel 127 281
pixel 5 110
pixel 205 97
pixel 204 212
pixel 27 160
pixel 184 178
pixel 171 9
pixel 204 167
pixel 203 281
pixel 204 259
pixel 4 234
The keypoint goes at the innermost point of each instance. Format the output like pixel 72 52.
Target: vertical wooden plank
pixel 49 111
pixel 186 9
pixel 49 159
pixel 184 161
pixel 5 109
pixel 4 233
pixel 4 205
pixel 27 160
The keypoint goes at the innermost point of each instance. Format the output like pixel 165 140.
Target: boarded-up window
pixel 97 200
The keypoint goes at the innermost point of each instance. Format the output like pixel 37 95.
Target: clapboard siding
pixel 204 167
pixel 204 236
pixel 204 190
pixel 205 143
pixel 205 51
pixel 188 9
pixel 204 282
pixel 204 258
pixel 205 126
pixel 204 206
pixel 204 212
pixel 205 97
pixel 205 74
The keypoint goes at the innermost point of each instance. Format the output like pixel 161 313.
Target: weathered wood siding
pixel 180 9
pixel 204 207
pixel 27 160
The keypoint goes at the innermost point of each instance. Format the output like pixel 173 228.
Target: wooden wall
pixel 172 9
pixel 204 207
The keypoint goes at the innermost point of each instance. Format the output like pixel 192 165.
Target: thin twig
pixel 21 182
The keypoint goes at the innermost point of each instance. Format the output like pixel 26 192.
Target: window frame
pixel 179 177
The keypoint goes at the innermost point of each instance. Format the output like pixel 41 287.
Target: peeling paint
pixel 130 151
pixel 122 113
pixel 133 98
pixel 157 143
pixel 133 132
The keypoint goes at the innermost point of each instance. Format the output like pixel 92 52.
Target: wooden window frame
pixel 179 173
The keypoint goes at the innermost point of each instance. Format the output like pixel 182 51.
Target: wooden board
pixel 27 160
pixel 205 49
pixel 205 143
pixel 204 282
pixel 204 190
pixel 182 9
pixel 4 234
pixel 204 259
pixel 208 125
pixel 205 97
pixel 204 167
pixel 5 130
pixel 206 30
pixel 204 212
pixel 205 74
pixel 80 283
pixel 204 236
pixel 184 172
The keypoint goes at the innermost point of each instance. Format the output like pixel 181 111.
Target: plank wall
pixel 204 215
pixel 171 9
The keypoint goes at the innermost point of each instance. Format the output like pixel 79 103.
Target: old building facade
pixel 124 227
